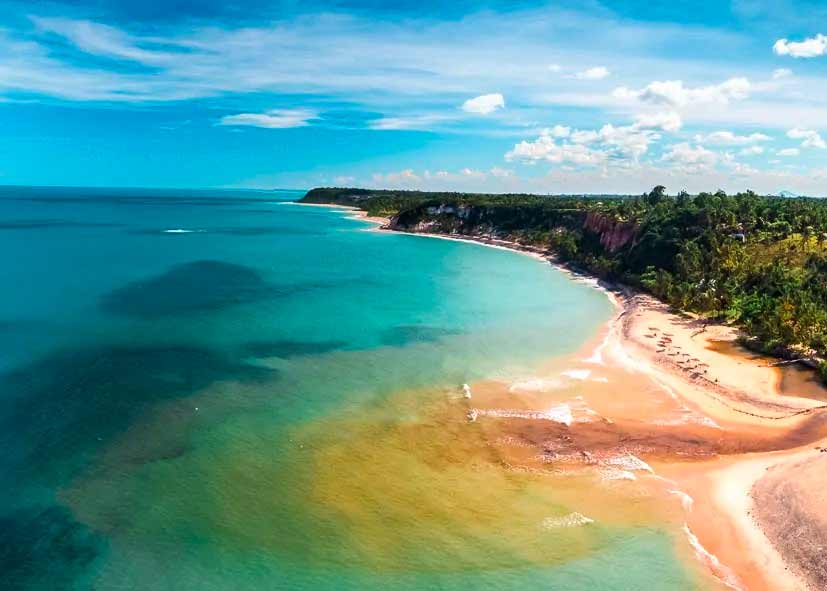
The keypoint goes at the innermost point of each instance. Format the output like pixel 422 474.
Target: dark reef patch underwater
pixel 70 403
pixel 189 287
pixel 413 333
pixel 66 408
pixel 288 349
pixel 45 548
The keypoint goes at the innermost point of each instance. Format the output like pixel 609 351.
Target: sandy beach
pixel 757 517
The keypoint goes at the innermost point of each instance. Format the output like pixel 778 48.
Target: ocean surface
pixel 223 390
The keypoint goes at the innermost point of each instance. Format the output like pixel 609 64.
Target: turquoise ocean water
pixel 225 390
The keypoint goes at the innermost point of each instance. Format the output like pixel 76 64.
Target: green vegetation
pixel 757 261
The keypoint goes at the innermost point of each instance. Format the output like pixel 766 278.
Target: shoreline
pixel 648 335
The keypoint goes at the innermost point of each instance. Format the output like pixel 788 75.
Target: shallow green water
pixel 262 402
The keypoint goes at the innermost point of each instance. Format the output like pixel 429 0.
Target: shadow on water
pixel 45 224
pixel 205 286
pixel 189 287
pixel 68 404
pixel 289 349
pixel 63 411
pixel 412 333
pixel 45 548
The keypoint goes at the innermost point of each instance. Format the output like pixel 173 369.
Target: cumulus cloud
pixel 675 94
pixel 692 159
pixel 788 152
pixel 810 47
pixel 557 131
pixel 546 148
pixel 669 121
pixel 401 179
pixel 752 151
pixel 596 73
pixel 779 73
pixel 499 172
pixel 484 104
pixel 273 119
pixel 614 145
pixel 555 68
pixel 465 178
pixel 810 138
pixel 728 138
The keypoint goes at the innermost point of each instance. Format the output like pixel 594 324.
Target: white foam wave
pixel 610 337
pixel 688 417
pixel 687 502
pixel 577 374
pixel 629 462
pixel 536 385
pixel 597 355
pixel 574 519
pixel 180 231
pixel 558 414
pixel 721 572
pixel 615 474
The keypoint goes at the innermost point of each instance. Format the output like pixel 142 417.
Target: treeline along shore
pixel 756 262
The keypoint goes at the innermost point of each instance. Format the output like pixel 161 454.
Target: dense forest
pixel 757 261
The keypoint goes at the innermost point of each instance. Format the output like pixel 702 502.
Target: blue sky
pixel 584 96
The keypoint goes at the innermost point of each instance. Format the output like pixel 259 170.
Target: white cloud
pixel 484 104
pixel 788 152
pixel 779 73
pixel 412 122
pixel 424 66
pixel 728 138
pixel 397 180
pixel 584 136
pixel 611 145
pixel 626 142
pixel 810 47
pixel 423 63
pixel 102 40
pixel 675 94
pixel 810 138
pixel 545 148
pixel 727 175
pixel 496 178
pixel 691 159
pixel 472 173
pixel 668 121
pixel 498 172
pixel 557 131
pixel 596 73
pixel 752 151
pixel 273 119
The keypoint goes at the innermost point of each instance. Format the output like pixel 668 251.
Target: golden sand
pixel 710 419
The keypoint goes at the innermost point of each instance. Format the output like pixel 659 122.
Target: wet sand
pixel 790 503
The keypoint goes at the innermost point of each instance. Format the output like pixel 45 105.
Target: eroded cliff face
pixel 614 235
pixel 481 221
pixel 443 219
